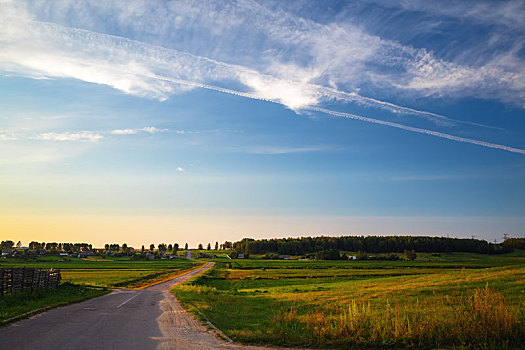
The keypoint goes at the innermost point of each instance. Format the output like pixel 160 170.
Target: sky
pixel 144 121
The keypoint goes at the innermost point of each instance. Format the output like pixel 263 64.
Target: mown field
pixel 453 300
pixel 85 278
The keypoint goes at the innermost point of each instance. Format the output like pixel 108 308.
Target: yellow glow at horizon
pixel 136 230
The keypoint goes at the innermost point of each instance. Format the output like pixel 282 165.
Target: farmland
pixel 106 272
pixel 86 278
pixel 457 299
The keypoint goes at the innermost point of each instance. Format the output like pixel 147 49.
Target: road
pixel 151 318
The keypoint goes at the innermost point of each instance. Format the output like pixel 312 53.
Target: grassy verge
pixel 339 306
pixel 23 304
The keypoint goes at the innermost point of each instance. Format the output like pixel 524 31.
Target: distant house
pixel 64 254
pixel 150 256
pixel 240 256
pixel 352 257
pixel 5 254
pixel 83 254
pixel 42 252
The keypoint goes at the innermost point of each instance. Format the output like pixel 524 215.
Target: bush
pixel 410 255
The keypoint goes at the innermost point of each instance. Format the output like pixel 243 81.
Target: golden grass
pixel 480 318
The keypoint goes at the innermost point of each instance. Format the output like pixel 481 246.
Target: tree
pixel 124 247
pixel 330 254
pixel 176 247
pixel 227 245
pixel 106 247
pixel 151 247
pixel 7 245
pixel 34 245
pixel 142 249
pixel 216 245
pixel 200 246
pixel 162 247
pixel 19 244
pixel 186 246
pixel 208 247
pixel 170 247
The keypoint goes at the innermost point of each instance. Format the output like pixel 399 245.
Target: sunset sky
pixel 201 121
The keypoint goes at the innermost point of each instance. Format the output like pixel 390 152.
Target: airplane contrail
pixel 349 116
pixel 162 53
pixel 418 130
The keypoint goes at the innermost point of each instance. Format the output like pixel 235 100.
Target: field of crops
pixel 469 300
pixel 107 271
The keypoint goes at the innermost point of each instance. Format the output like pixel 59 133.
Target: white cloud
pixel 318 57
pixel 69 136
pixel 180 170
pixel 298 63
pixel 124 132
pixel 7 136
pixel 153 130
pixel 147 129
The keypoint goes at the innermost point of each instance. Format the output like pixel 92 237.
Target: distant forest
pixel 375 244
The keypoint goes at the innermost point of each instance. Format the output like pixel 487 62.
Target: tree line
pixel 9 245
pixel 373 244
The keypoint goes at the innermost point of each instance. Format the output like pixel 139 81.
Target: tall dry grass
pixel 481 319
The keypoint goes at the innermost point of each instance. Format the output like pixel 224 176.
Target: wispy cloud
pixel 323 62
pixel 124 131
pixel 153 130
pixel 419 130
pixel 86 136
pixel 7 135
pixel 147 129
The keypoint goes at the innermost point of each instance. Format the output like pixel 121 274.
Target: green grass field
pixel 79 276
pixel 454 300
pixel 107 272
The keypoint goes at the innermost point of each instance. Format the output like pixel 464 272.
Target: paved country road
pixel 151 318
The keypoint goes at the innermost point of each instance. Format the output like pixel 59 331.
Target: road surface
pixel 151 318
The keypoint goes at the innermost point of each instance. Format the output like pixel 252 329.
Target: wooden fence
pixel 27 278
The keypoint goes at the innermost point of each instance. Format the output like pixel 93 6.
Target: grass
pixel 107 272
pixel 369 304
pixel 24 304
pixel 80 276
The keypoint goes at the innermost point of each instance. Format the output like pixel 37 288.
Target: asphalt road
pixel 124 319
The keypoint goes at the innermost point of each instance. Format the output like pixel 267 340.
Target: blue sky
pixel 202 121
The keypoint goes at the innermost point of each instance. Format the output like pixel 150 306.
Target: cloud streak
pixel 419 130
pixel 337 59
pixel 85 136
pixel 147 129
